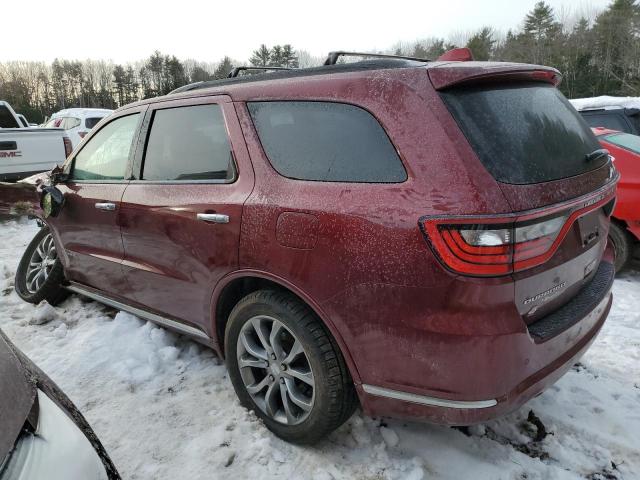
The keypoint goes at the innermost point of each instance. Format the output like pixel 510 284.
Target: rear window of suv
pixel 524 133
pixel 325 141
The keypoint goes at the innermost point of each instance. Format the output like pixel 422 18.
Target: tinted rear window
pixel 324 141
pixel 524 133
pixel 91 122
pixel 611 121
pixel 6 119
pixel 624 140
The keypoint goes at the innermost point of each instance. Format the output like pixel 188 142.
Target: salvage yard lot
pixel 164 407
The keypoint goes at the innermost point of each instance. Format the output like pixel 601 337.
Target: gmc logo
pixel 16 153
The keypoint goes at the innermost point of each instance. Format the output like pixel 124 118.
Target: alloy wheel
pixel 275 370
pixel 41 263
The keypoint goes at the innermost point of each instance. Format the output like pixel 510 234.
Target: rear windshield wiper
pixel 596 154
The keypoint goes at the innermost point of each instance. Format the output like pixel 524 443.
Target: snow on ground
pixel 164 407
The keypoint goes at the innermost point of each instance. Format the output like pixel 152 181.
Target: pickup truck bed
pixel 25 151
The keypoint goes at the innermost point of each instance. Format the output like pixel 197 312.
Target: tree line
pixel 597 53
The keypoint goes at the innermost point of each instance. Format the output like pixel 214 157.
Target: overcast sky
pixel 129 30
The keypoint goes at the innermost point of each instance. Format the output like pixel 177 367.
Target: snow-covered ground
pixel 164 407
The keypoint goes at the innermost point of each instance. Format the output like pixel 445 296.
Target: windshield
pixel 524 133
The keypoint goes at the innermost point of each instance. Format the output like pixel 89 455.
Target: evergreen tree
pixel 289 57
pixel 616 32
pixel 275 56
pixel 261 57
pixel 481 44
pixel 223 69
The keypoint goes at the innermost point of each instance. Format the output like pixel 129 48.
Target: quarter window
pixel 105 156
pixel 188 143
pixel 324 141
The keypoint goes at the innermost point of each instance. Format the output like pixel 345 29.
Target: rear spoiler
pixel 467 73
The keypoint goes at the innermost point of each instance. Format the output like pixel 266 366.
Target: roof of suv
pixel 452 72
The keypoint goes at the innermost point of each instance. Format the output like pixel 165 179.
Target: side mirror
pixel 59 174
pixel 51 201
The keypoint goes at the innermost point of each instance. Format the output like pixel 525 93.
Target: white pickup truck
pixel 25 151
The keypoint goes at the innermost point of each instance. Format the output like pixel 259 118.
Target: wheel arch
pixel 232 288
pixel 629 227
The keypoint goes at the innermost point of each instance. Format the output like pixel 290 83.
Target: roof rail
pixel 333 57
pixel 234 73
pixel 186 88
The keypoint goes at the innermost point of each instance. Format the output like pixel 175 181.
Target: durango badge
pixel 546 293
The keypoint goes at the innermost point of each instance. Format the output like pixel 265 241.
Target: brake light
pixel 82 134
pixel 67 146
pixel 494 246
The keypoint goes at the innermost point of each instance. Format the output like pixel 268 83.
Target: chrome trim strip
pixel 188 330
pixel 424 400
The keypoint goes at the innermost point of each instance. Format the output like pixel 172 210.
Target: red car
pixel 625 225
pixel 426 239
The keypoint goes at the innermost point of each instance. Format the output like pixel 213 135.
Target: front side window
pixel 105 155
pixel 625 140
pixel 188 143
pixel 325 141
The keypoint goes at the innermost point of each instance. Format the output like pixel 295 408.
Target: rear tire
pixel 621 241
pixel 40 274
pixel 264 330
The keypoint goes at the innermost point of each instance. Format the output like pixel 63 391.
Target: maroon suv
pixel 426 239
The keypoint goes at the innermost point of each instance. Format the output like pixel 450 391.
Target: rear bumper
pixel 571 338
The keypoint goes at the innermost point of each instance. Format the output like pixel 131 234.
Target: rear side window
pixel 6 119
pixel 91 122
pixel 105 155
pixel 624 140
pixel 55 123
pixel 71 122
pixel 332 142
pixel 524 133
pixel 612 122
pixel 188 143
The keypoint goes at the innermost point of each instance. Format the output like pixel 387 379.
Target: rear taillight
pixel 82 134
pixel 493 246
pixel 67 146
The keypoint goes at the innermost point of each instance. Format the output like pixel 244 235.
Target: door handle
pixel 106 206
pixel 213 217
